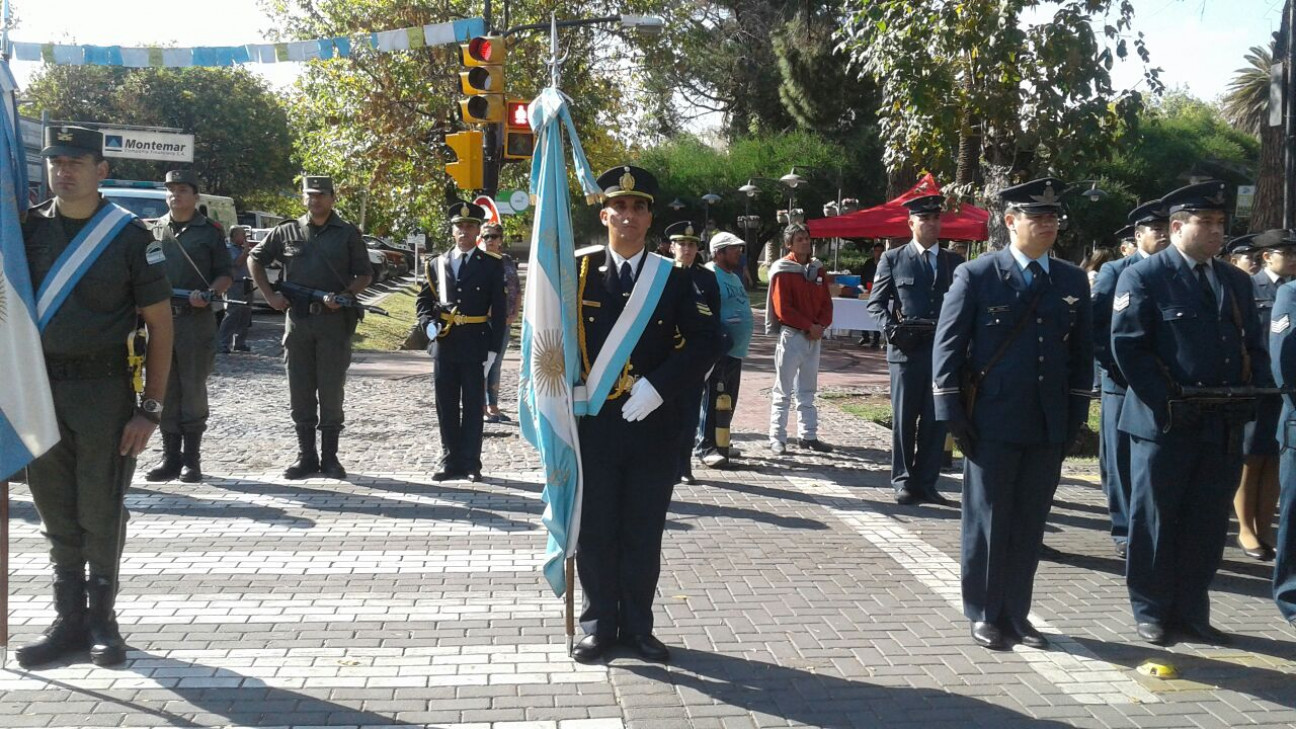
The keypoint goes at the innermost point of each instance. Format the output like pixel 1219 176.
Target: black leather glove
pixel 965 435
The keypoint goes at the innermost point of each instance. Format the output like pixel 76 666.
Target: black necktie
pixel 1208 291
pixel 1037 275
pixel 627 278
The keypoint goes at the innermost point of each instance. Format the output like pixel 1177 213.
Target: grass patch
pixel 382 334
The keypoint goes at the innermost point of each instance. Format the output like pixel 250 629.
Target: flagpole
pixel 571 604
pixel 4 571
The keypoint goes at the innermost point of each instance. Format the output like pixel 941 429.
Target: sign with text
pixel 160 146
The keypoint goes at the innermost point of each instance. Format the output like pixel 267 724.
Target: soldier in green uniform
pixel 322 252
pixel 198 266
pixel 95 268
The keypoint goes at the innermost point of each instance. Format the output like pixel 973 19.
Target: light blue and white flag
pixel 551 365
pixel 28 426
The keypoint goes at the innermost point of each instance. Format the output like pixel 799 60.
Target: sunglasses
pixel 492 236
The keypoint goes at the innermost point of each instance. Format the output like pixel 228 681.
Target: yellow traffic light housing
pixel 483 82
pixel 467 171
pixel 519 141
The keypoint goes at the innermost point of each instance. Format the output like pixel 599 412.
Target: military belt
pixel 107 363
pixel 456 319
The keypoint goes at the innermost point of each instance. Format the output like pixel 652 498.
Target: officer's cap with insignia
pixel 1037 196
pixel 183 177
pixel 924 204
pixel 1273 239
pixel 465 212
pixel 1209 195
pixel 1152 211
pixel 72 141
pixel 1241 244
pixel 317 183
pixel 1124 234
pixel 628 181
pixel 684 230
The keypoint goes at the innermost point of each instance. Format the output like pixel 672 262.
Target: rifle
pixel 1235 404
pixel 204 295
pixel 315 298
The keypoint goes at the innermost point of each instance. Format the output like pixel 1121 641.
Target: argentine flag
pixel 28 426
pixel 551 365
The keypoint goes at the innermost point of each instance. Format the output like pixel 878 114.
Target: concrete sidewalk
pixel 794 592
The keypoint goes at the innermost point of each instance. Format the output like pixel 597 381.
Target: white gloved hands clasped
pixel 490 360
pixel 642 402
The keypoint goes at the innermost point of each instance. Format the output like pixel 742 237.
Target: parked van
pixel 259 219
pixel 148 200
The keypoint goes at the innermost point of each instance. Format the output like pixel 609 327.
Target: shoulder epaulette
pixel 587 250
pixel 139 223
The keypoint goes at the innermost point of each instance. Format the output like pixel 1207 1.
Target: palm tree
pixel 1246 107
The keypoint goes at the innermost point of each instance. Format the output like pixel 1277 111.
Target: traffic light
pixel 467 171
pixel 519 142
pixel 483 82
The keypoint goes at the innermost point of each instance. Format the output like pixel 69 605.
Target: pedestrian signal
pixel 519 141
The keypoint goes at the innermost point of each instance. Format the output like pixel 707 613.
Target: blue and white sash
pixel 624 336
pixel 77 258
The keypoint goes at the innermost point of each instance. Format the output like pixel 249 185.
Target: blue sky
pixel 1198 43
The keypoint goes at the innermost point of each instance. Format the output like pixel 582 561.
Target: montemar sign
pixel 161 146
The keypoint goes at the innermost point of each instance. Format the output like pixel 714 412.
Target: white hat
pixel 724 240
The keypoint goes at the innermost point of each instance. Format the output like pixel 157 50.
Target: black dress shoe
pixel 906 498
pixel 474 476
pixel 1205 632
pixel 1028 635
pixel 1154 633
pixel 591 648
pixel 988 635
pixel 446 475
pixel 1263 553
pixel 648 647
pixel 939 500
pixel 1122 549
pixel 687 479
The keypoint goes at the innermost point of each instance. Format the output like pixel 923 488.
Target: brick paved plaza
pixel 793 592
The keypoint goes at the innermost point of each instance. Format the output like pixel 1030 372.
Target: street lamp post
pixel 709 199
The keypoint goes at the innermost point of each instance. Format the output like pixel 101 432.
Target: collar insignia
pixel 1070 300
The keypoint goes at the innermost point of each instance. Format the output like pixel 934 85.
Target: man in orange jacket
pixel 798 310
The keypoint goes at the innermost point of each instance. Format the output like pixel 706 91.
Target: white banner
pixel 161 146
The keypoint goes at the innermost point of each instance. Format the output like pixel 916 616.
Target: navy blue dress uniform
pixel 629 467
pixel 1282 345
pixel 471 312
pixel 1114 445
pixel 1178 323
pixel 910 285
pixel 708 292
pixel 1260 438
pixel 1027 408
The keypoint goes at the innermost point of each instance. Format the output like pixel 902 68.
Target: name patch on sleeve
pixel 153 254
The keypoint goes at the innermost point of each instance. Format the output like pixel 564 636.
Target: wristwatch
pixel 150 410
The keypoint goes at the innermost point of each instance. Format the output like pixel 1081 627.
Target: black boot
pixel 307 462
pixel 106 645
pixel 329 466
pixel 169 468
pixel 67 634
pixel 192 458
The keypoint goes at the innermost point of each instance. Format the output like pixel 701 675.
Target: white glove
pixel 643 400
pixel 490 360
pixel 433 329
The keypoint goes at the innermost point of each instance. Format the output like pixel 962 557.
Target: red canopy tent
pixel 891 219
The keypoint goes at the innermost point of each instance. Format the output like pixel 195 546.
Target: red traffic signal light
pixel 483 50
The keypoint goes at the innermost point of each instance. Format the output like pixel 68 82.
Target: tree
pixel 377 121
pixel 1246 107
pixel 243 146
pixel 976 76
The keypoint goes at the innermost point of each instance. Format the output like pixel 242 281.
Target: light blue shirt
pixel 735 310
pixel 929 255
pixel 1210 271
pixel 617 260
pixel 1024 261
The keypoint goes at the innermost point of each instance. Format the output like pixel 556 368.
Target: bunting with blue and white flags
pixel 551 366
pixel 28 426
